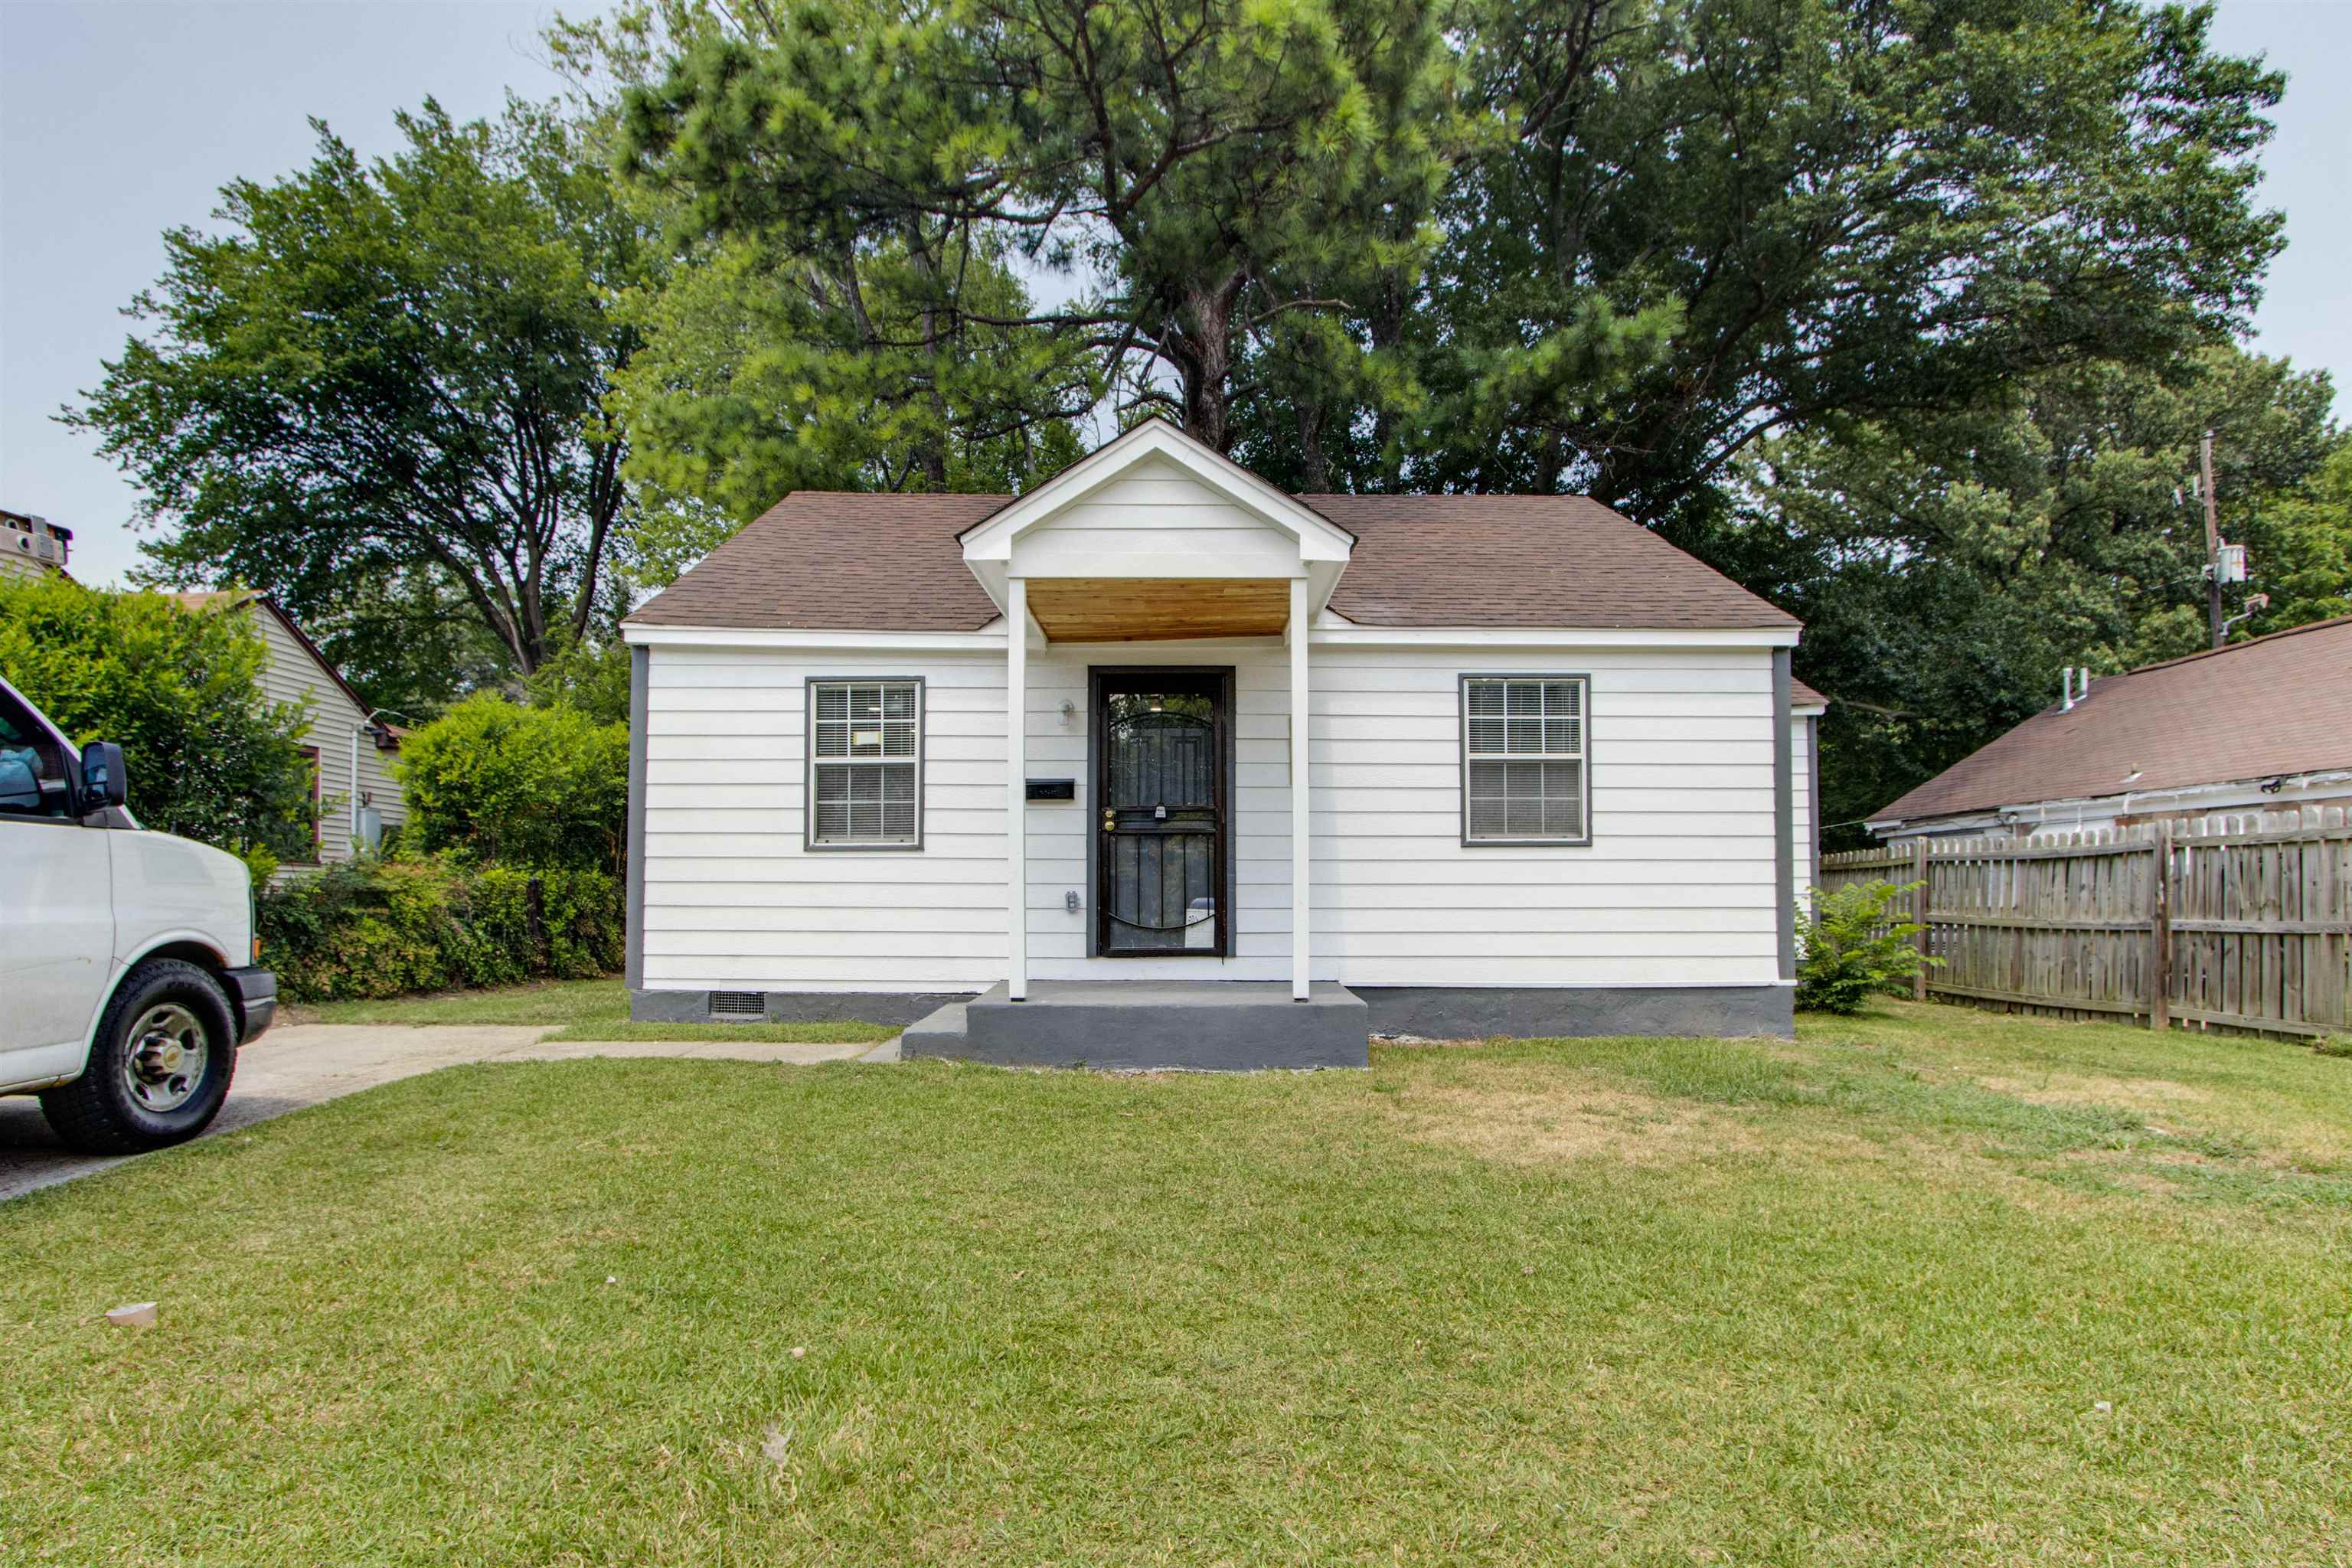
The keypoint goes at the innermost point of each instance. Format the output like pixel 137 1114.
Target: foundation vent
pixel 739 1005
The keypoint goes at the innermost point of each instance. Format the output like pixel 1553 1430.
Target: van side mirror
pixel 103 782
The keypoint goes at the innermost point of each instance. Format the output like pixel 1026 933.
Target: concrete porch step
pixel 1217 1025
pixel 938 1033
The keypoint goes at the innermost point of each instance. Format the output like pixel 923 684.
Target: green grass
pixel 1928 1287
pixel 787 1033
pixel 585 1010
pixel 554 1002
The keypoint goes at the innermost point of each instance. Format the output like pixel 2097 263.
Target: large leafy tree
pixel 1206 177
pixel 1598 244
pixel 2300 538
pixel 396 371
pixel 853 353
pixel 1697 223
pixel 408 641
pixel 1947 568
pixel 766 371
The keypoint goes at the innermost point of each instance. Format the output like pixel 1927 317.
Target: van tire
pixel 164 1005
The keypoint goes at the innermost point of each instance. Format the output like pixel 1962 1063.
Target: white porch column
pixel 1300 861
pixel 1016 786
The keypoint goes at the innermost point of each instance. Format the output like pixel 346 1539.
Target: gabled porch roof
pixel 1154 536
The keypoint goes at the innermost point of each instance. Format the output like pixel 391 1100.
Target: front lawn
pixel 1932 1286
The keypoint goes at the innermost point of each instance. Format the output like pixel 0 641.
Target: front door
pixel 1163 755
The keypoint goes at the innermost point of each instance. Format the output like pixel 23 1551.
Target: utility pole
pixel 2212 541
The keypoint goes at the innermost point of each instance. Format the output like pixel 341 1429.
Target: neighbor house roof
pixel 2279 704
pixel 839 561
pixel 1804 696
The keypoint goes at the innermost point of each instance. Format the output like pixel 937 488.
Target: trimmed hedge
pixel 384 928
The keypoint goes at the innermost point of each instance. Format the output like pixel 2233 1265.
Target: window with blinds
pixel 1523 759
pixel 865 765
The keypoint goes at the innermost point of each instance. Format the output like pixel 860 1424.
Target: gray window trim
pixel 809 760
pixel 1462 749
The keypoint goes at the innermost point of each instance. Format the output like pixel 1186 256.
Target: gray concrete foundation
pixel 1459 1012
pixel 1213 1025
pixel 1239 1025
pixel 893 1010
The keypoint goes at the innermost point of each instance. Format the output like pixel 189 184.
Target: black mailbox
pixel 1053 789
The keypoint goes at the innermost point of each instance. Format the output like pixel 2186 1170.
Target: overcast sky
pixel 120 119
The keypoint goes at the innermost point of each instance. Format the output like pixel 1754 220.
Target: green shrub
pixel 494 780
pixel 210 758
pixel 383 928
pixel 1852 946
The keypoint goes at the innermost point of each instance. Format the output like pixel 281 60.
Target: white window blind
pixel 1523 759
pixel 866 764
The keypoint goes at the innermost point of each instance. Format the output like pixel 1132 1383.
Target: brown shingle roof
pixel 1804 696
pixel 835 560
pixel 2279 704
pixel 1522 561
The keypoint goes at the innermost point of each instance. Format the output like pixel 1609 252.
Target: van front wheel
pixel 159 1068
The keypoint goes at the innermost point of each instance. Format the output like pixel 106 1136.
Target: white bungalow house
pixel 1281 771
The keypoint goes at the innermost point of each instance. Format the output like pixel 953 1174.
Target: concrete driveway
pixel 304 1064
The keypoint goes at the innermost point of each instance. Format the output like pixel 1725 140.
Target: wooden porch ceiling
pixel 1157 609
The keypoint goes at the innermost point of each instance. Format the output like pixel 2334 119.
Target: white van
pixel 128 967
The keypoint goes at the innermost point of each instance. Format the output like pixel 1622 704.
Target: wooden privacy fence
pixel 2232 922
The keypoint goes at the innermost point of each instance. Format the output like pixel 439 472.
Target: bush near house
pixel 210 757
pixel 1852 948
pixel 382 928
pixel 492 780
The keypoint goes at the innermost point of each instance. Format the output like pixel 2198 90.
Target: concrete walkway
pixel 304 1064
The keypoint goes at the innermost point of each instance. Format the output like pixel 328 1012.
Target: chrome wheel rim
pixel 166 1059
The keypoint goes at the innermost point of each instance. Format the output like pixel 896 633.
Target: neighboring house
pixel 32 546
pixel 1443 765
pixel 2259 725
pixel 350 748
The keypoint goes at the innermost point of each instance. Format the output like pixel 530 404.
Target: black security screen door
pixel 1163 742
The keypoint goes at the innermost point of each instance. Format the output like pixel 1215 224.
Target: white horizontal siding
pixel 734 900
pixel 291 675
pixel 1676 888
pixel 1155 521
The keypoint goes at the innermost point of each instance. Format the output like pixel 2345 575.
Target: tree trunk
pixel 1207 361
pixel 931 451
pixel 1314 469
pixel 1551 463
